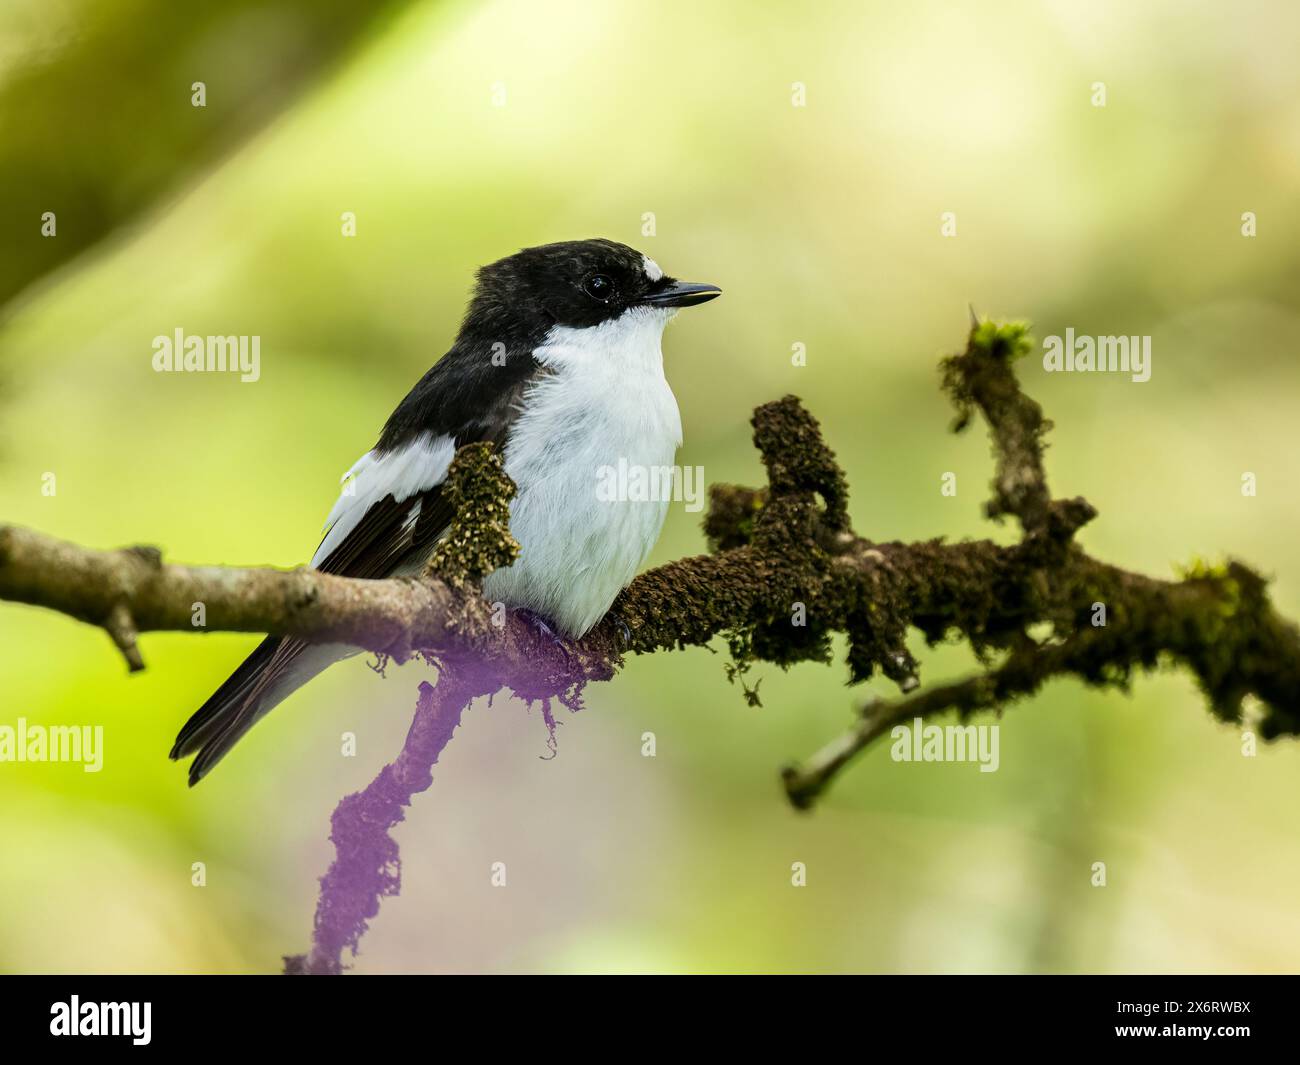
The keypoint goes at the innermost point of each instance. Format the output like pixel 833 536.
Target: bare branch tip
pixel 121 629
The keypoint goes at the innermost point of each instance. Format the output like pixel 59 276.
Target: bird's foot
pixel 621 625
pixel 546 636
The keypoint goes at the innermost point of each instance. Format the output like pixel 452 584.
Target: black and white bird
pixel 557 363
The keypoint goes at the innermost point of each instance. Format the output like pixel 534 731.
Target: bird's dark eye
pixel 599 287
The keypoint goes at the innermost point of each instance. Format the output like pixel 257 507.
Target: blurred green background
pixel 459 132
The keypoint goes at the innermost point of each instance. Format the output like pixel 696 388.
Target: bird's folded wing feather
pixel 391 518
pixel 389 515
pixel 387 519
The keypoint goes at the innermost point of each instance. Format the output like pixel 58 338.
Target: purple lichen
pixel 367 865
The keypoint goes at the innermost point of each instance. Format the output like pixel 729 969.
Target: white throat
pixel 630 342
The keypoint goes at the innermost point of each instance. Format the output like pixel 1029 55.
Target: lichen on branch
pixel 784 571
pixel 479 492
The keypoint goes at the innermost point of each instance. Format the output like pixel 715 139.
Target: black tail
pixel 225 717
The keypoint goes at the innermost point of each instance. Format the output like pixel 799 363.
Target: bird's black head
pixel 578 283
pixel 469 393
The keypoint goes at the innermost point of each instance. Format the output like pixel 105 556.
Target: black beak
pixel 683 294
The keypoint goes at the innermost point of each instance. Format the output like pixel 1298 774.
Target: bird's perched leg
pixel 624 632
pixel 547 636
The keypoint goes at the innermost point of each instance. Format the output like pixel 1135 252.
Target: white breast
pixel 604 401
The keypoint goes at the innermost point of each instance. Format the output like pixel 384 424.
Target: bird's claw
pixel 623 630
pixel 547 635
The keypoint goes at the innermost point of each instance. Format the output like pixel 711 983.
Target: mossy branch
pixel 784 573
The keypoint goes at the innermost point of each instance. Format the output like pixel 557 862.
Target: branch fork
pixel 771 549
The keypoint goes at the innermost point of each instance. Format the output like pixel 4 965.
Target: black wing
pixel 391 533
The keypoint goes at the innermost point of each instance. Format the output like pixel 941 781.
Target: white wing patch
pixel 417 467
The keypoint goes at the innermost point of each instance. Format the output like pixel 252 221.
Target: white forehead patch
pixel 652 270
